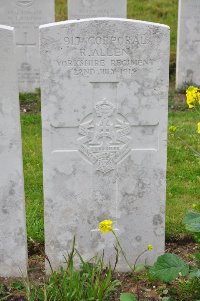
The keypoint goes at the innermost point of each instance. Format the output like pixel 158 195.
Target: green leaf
pixel 194 273
pixel 139 267
pixel 127 297
pixel 192 221
pixel 168 267
pixel 197 256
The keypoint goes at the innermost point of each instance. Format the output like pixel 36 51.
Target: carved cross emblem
pixel 104 137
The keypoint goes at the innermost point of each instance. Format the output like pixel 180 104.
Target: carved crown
pixel 104 108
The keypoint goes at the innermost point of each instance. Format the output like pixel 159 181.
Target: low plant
pixel 91 282
pixel 189 290
pixel 106 226
pixel 11 289
pixel 192 218
pixel 170 267
pixel 193 102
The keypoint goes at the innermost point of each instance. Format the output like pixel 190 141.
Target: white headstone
pixel 26 16
pixel 81 9
pixel 104 110
pixel 188 46
pixel 13 250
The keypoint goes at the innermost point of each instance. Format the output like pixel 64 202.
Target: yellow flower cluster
pixel 198 127
pixel 105 226
pixel 149 247
pixel 192 96
pixel 172 129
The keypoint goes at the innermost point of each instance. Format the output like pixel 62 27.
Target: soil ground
pixel 144 288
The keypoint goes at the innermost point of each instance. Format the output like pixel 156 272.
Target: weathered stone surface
pixel 13 251
pixel 81 9
pixel 188 46
pixel 26 16
pixel 104 110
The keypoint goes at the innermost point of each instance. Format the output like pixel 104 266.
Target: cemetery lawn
pixel 183 172
pixel 183 175
pixel 32 157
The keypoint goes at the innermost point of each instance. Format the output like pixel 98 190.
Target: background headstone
pixel 81 9
pixel 104 112
pixel 26 16
pixel 13 249
pixel 188 46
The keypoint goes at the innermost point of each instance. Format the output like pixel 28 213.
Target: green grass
pixel 183 176
pixel 92 281
pixel 159 11
pixel 61 10
pixel 32 156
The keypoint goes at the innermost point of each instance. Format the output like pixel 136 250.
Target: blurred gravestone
pixel 13 251
pixel 80 9
pixel 188 46
pixel 104 110
pixel 26 16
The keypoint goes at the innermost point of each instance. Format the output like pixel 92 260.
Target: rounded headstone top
pixel 6 27
pixel 63 23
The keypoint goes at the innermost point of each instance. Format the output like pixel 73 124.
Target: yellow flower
pixel 105 226
pixel 192 96
pixel 190 106
pixel 149 247
pixel 198 127
pixel 194 206
pixel 172 129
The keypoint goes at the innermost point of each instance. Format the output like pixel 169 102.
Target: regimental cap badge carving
pixel 25 3
pixel 104 137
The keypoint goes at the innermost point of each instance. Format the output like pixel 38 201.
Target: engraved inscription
pixel 27 73
pixel 25 16
pixel 98 66
pixel 104 136
pixel 190 9
pixel 111 55
pixel 137 39
pixel 24 3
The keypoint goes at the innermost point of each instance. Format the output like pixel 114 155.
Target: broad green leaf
pixel 127 297
pixel 192 221
pixel 168 267
pixel 194 273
